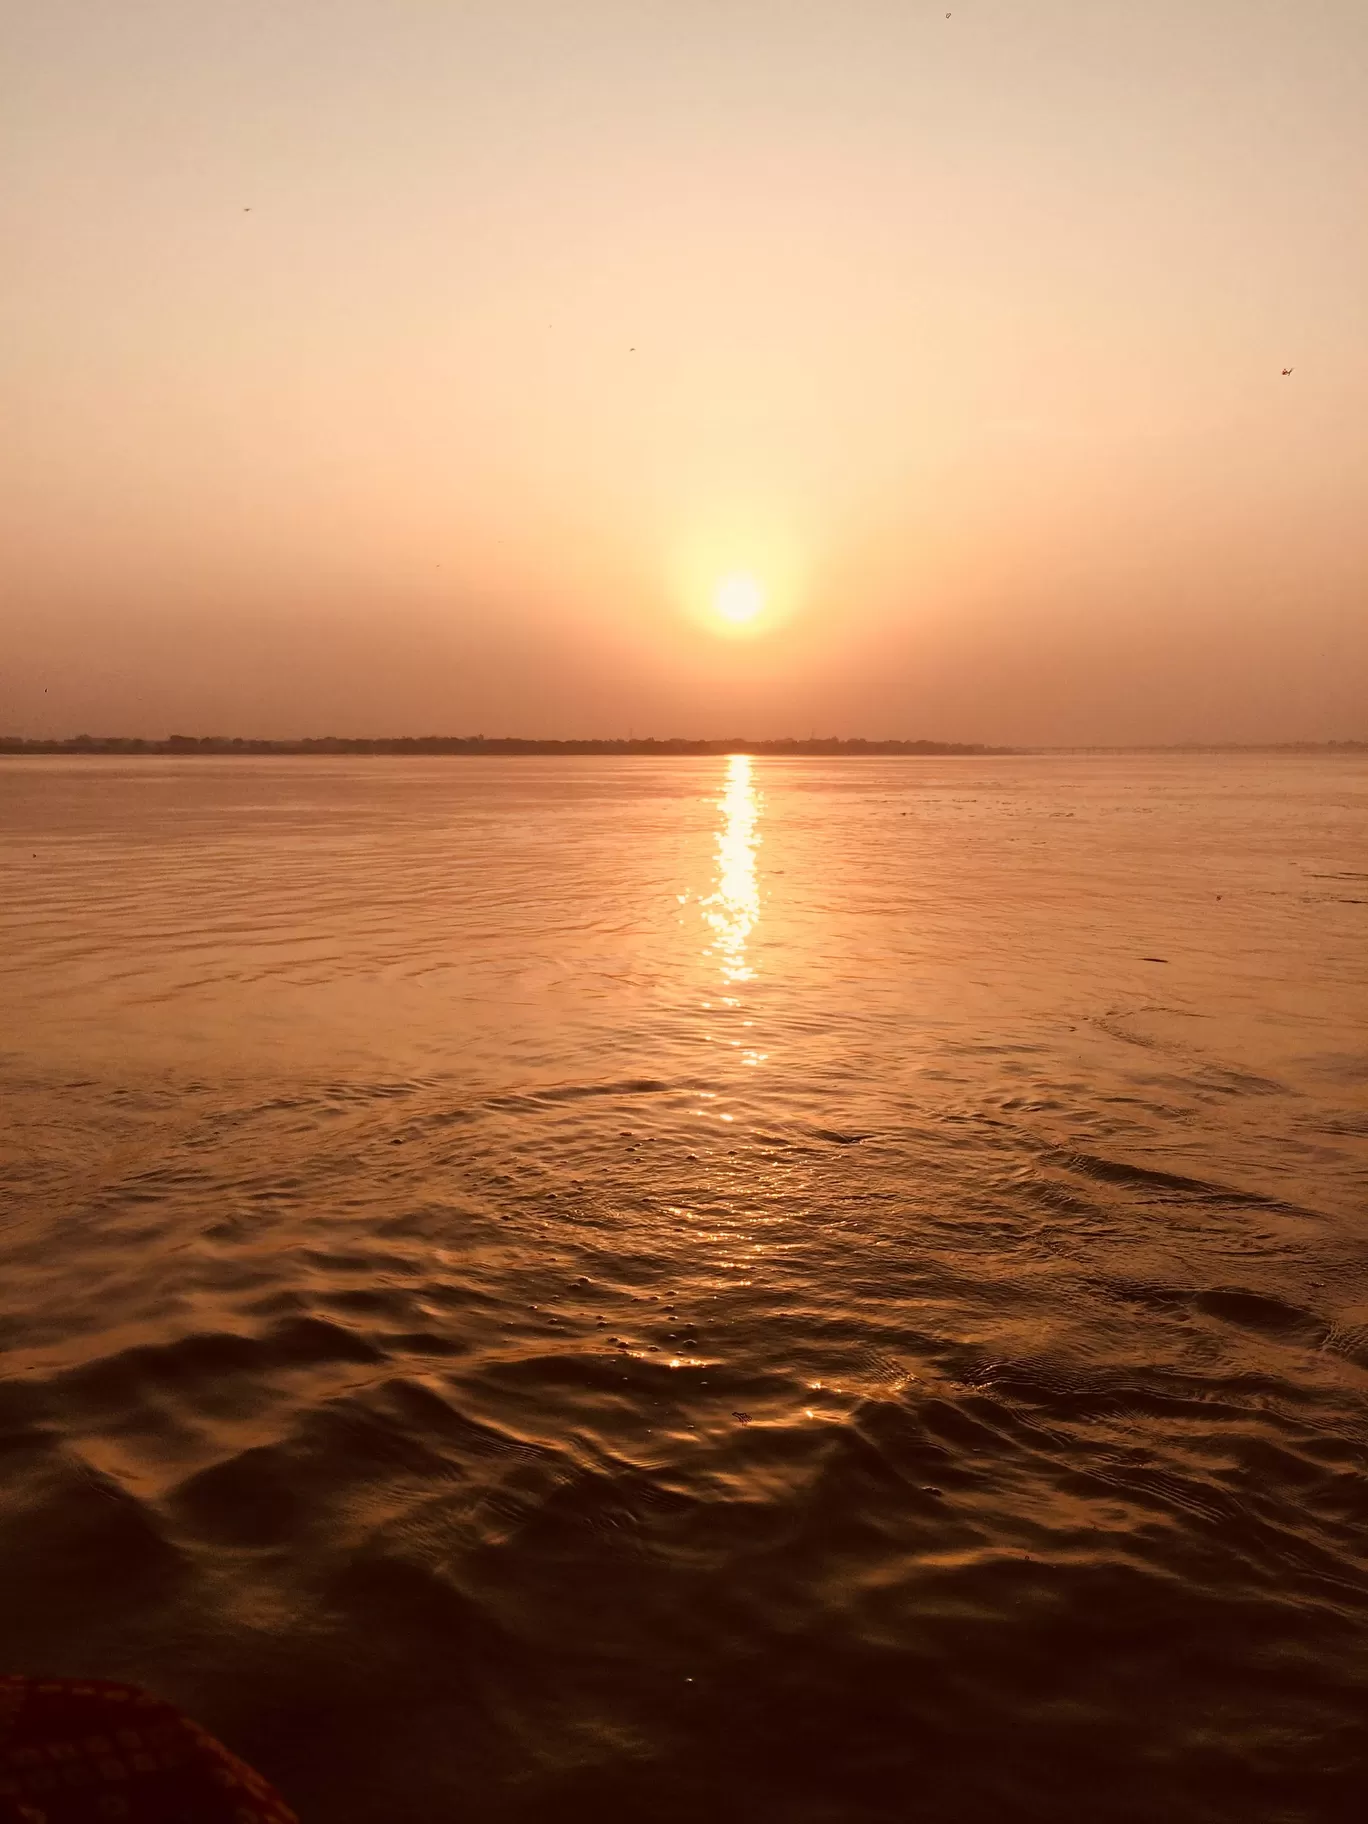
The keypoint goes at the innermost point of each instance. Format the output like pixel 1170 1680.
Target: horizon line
pixel 646 745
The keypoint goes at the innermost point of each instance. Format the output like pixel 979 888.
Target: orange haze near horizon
pixel 386 368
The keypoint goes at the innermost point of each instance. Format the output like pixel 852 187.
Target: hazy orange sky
pixel 393 366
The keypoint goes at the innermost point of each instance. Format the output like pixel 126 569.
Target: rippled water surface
pixel 722 1289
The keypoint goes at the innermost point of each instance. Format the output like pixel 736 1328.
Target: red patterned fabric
pixel 84 1751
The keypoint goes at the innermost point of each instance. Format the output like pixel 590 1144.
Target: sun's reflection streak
pixel 733 909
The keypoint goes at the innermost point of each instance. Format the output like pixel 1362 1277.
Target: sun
pixel 738 598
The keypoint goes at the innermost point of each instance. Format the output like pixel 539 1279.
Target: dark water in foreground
pixel 561 1290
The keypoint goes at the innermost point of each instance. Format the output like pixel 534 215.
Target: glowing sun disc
pixel 738 598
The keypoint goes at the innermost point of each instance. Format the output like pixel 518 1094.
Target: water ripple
pixel 594 1290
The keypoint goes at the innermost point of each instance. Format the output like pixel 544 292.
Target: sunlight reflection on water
pixel 733 909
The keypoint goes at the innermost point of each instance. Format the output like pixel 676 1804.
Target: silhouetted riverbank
pixel 480 744
pixel 513 744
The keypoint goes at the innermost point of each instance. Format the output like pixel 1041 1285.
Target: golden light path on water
pixel 733 909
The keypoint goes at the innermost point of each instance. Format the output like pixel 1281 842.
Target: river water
pixel 788 1291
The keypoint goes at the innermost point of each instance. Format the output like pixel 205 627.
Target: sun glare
pixel 738 581
pixel 738 598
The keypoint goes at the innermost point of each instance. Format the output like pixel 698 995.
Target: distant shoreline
pixel 479 744
pixel 494 746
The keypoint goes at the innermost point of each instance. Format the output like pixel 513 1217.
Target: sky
pixel 461 366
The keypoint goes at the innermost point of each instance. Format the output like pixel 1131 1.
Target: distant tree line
pixel 477 744
pixel 516 744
